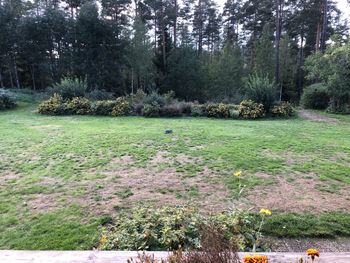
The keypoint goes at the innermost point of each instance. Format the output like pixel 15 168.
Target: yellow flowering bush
pixel 122 107
pixel 220 110
pixel 284 109
pixel 53 106
pixel 249 109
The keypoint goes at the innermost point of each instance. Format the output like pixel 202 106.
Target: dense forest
pixel 192 47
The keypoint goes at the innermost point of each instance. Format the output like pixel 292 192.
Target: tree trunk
pixel 318 37
pixel 300 64
pixel 324 26
pixel 175 24
pixel 1 80
pixel 16 71
pixel 200 33
pixel 132 80
pixel 33 76
pixel 277 44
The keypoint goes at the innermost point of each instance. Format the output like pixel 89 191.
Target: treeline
pixel 190 46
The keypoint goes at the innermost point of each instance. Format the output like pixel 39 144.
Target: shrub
pixel 122 107
pixel 339 105
pixel 315 97
pixel 97 94
pixel 103 107
pixel 284 109
pixel 172 110
pixel 53 106
pixel 185 107
pixel 169 97
pixel 198 110
pixel 79 106
pixel 218 110
pixel 249 109
pixel 234 114
pixel 155 98
pixel 6 100
pixel 260 90
pixel 146 228
pixel 139 97
pixel 151 110
pixel 70 88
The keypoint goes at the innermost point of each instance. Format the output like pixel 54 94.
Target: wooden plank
pixel 15 256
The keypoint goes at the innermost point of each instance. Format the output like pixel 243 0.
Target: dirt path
pixel 317 117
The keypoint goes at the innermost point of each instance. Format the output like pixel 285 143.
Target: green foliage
pixel 99 95
pixel 249 109
pixel 261 90
pixel 79 106
pixel 155 98
pixel 332 68
pixel 149 229
pixel 122 107
pixel 220 110
pixel 70 88
pixel 151 110
pixel 53 106
pixel 283 109
pixel 6 100
pixel 198 110
pixel 315 97
pixel 103 107
pixel 172 110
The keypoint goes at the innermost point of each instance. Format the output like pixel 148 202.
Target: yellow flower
pixel 313 252
pixel 255 259
pixel 238 173
pixel 103 240
pixel 265 211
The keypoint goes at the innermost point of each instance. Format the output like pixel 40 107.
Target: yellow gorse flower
pixel 237 174
pixel 265 211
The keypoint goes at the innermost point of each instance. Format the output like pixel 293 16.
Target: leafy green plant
pixel 155 98
pixel 122 107
pixel 99 95
pixel 283 109
pixel 172 110
pixel 249 109
pixel 315 97
pixel 260 90
pixel 151 110
pixel 70 88
pixel 79 106
pixel 103 107
pixel 6 100
pixel 53 106
pixel 220 110
pixel 198 110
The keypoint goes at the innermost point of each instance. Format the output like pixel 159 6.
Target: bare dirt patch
pixel 8 176
pixel 317 117
pixel 300 195
pixel 44 202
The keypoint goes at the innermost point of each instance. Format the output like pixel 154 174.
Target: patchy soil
pixel 317 117
pixel 301 194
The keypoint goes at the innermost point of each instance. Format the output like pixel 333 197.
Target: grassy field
pixel 61 177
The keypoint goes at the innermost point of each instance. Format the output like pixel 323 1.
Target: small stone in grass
pixel 168 131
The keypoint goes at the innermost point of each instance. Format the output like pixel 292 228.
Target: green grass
pixel 65 159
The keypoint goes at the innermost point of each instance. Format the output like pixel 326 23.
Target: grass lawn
pixel 61 177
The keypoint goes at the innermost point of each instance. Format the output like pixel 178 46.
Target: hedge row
pixel 125 106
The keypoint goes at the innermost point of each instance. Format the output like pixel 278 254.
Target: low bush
pixel 172 110
pixel 70 88
pixel 154 98
pixel 283 109
pixel 104 107
pixel 53 106
pixel 249 109
pixel 151 110
pixel 234 114
pixel 198 110
pixel 122 107
pixel 220 110
pixel 79 106
pixel 6 100
pixel 315 97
